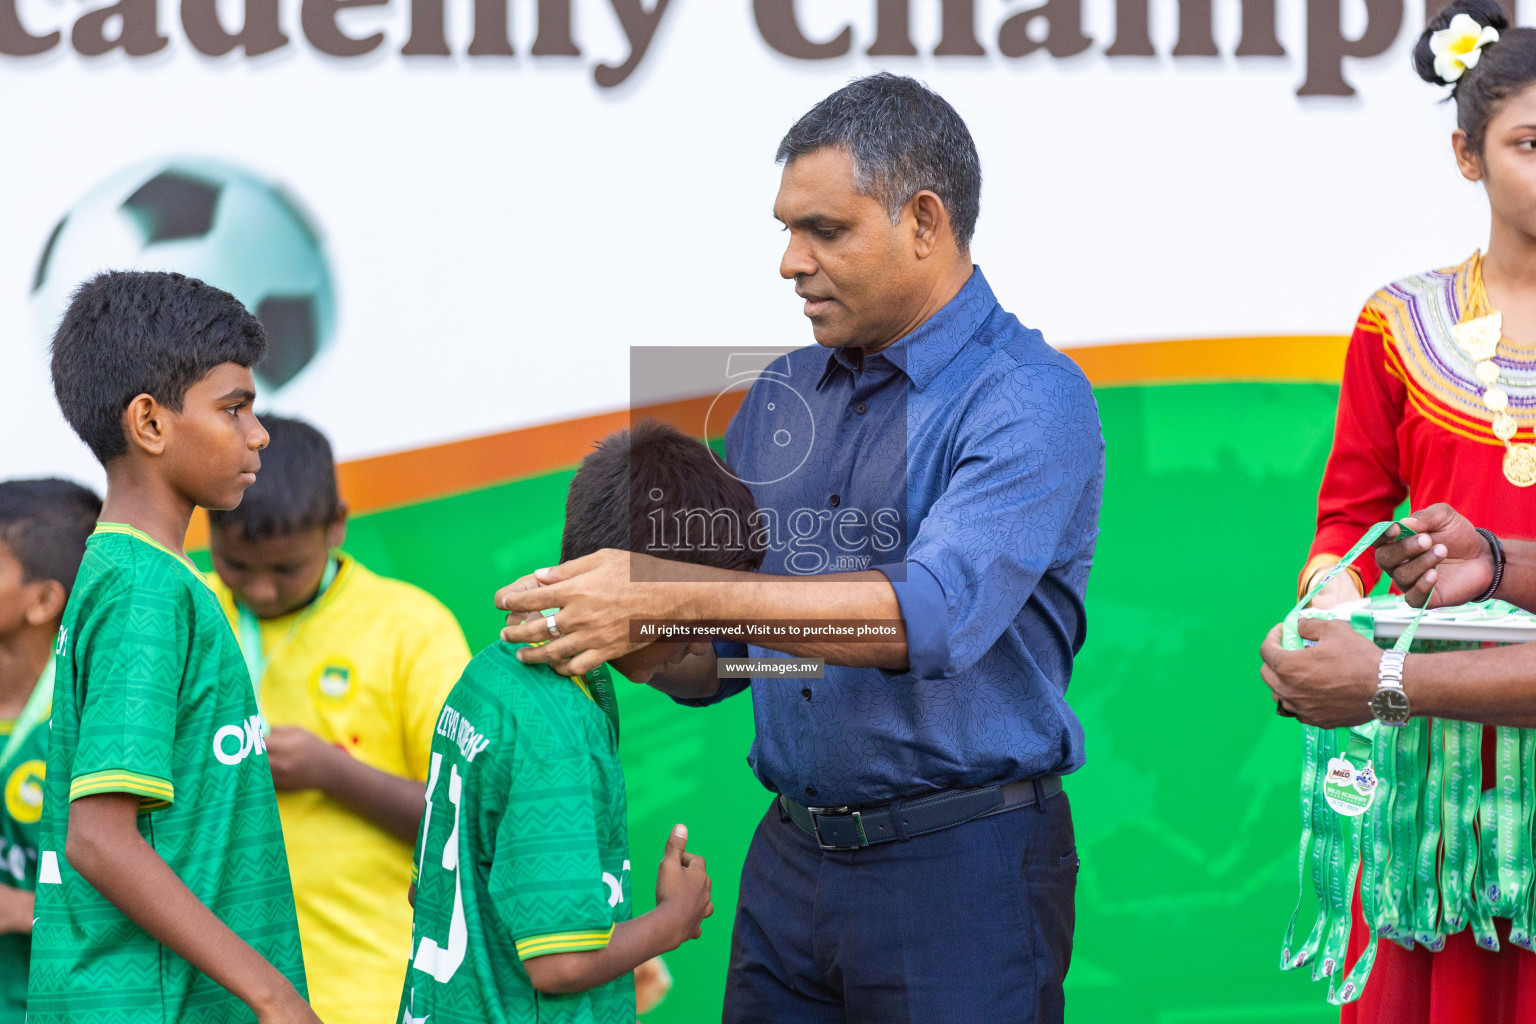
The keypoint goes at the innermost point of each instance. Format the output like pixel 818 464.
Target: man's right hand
pixel 1446 554
pixel 682 887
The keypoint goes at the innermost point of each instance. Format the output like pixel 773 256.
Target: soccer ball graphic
pixel 209 220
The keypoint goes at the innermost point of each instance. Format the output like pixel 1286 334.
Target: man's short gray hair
pixel 903 138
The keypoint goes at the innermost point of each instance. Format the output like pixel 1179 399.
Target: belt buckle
pixel 817 812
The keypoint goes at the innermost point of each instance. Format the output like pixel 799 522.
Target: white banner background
pixel 502 230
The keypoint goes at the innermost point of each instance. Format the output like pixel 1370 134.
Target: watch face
pixel 1390 705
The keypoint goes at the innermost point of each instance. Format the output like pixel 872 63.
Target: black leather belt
pixel 840 828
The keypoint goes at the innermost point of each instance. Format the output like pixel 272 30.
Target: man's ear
pixel 145 424
pixel 336 533
pixel 932 221
pixel 1470 163
pixel 46 602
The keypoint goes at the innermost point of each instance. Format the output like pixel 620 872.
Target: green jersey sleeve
pixel 132 655
pixel 546 878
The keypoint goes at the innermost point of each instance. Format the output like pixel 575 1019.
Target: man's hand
pixel 682 888
pixel 1447 554
pixel 597 596
pixel 1328 685
pixel 299 759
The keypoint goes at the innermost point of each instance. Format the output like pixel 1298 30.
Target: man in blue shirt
pixel 918 862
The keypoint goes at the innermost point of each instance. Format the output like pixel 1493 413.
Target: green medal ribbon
pixel 248 628
pixel 1346 844
pixel 36 711
pixel 1426 884
pixel 600 686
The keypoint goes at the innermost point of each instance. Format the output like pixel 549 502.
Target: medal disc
pixel 1520 464
pixel 1347 789
pixel 1504 426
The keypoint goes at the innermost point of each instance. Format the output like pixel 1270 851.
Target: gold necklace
pixel 1478 335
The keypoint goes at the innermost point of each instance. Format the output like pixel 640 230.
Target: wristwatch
pixel 1390 702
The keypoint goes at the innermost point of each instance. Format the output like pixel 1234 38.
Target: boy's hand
pixel 682 887
pixel 299 759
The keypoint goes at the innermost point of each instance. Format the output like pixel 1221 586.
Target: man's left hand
pixel 597 596
pixel 1327 685
pixel 299 759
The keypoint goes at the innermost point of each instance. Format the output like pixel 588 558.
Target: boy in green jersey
pixel 43 528
pixel 163 890
pixel 522 898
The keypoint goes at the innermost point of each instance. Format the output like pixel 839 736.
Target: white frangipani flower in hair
pixel 1458 46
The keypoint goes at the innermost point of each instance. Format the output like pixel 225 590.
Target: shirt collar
pixel 922 354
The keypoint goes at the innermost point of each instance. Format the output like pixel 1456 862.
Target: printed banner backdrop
pixel 457 219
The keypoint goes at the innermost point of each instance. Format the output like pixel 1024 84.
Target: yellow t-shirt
pixel 367 666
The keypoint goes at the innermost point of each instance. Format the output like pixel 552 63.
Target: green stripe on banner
pixel 1186 811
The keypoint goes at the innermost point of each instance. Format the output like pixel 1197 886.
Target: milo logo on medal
pixel 1348 790
pixel 24 792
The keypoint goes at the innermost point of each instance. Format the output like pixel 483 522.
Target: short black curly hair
pixel 130 333
pixel 646 489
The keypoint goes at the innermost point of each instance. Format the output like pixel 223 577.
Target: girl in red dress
pixel 1438 403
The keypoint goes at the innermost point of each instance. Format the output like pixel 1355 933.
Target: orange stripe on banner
pixel 422 474
pixel 1313 358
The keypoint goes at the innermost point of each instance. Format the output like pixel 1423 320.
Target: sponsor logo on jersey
pixel 615 886
pixel 24 792
pixel 234 743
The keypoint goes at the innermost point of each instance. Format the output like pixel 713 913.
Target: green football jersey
pixel 151 697
pixel 523 848
pixel 23 760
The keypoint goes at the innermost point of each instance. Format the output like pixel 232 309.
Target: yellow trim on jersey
pixel 562 942
pixel 125 530
pixel 7 726
pixel 156 792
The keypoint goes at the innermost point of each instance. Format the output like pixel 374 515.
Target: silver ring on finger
pixel 554 630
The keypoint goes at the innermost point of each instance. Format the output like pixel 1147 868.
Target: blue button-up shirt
pixel 966 463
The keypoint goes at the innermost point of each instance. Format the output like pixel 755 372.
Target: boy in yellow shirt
pixel 350 671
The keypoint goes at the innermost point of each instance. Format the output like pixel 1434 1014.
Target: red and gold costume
pixel 1413 425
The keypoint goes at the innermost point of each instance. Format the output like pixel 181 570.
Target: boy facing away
pixel 43 528
pixel 523 908
pixel 163 890
pixel 350 671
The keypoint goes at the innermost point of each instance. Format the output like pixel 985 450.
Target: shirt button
pixel 806 693
pixel 836 501
pixel 861 408
pixel 810 790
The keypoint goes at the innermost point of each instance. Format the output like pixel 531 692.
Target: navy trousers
pixel 973 923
